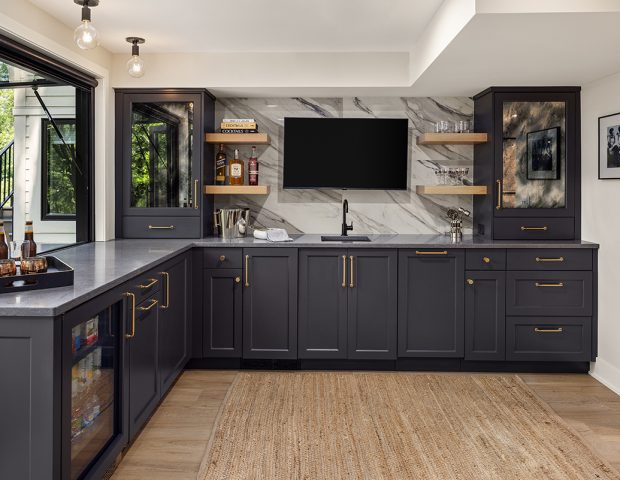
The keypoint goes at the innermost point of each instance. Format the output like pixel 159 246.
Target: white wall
pixel 601 224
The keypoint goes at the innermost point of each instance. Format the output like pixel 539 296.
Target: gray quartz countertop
pixel 100 266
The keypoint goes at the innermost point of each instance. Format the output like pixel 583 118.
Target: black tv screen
pixel 348 153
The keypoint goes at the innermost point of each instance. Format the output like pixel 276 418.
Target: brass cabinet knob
pixel 237 279
pixel 470 281
pixel 222 258
pixel 486 259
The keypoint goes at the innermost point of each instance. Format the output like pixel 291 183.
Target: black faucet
pixel 345 210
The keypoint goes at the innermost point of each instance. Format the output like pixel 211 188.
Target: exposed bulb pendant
pixel 135 65
pixel 85 34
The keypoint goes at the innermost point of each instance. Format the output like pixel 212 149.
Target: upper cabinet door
pixel 162 150
pixel 535 154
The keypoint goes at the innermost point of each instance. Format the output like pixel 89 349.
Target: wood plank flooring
pixel 172 444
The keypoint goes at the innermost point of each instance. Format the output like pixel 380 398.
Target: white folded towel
pixel 273 235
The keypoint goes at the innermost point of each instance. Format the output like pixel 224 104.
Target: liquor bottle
pixel 220 166
pixel 4 248
pixel 253 168
pixel 29 247
pixel 236 170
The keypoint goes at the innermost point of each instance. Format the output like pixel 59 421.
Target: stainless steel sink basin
pixel 341 238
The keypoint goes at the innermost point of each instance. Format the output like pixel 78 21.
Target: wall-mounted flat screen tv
pixel 345 153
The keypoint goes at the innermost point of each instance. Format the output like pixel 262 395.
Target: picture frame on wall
pixel 543 154
pixel 609 146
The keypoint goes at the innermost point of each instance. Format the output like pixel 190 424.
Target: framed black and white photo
pixel 543 154
pixel 609 146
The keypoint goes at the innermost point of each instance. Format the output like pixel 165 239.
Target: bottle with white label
pixel 236 170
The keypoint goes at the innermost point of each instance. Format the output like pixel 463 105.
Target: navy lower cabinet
pixel 485 315
pixel 431 289
pixel 323 295
pixel 222 312
pixel 173 321
pixel 270 303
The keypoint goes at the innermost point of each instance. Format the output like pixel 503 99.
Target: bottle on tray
pixel 4 247
pixel 29 247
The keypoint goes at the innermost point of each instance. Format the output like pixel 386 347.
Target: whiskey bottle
pixel 4 248
pixel 29 247
pixel 236 170
pixel 220 166
pixel 253 168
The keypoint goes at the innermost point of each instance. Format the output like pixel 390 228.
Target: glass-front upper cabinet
pixel 160 160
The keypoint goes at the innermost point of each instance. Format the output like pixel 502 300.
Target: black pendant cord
pixel 56 129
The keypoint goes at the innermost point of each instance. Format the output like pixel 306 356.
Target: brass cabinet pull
pixel 351 284
pixel 247 269
pixel 548 330
pixel 237 279
pixel 559 284
pixel 152 281
pixel 499 194
pixel 133 315
pixel 161 227
pixel 196 194
pixel 222 258
pixel 486 259
pixel 425 252
pixel 344 271
pixel 524 229
pixel 541 259
pixel 150 306
pixel 470 281
pixel 166 275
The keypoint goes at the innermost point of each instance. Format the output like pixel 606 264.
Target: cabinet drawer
pixel 222 258
pixel 548 338
pixel 549 259
pixel 549 293
pixel 491 259
pixel 161 227
pixel 534 228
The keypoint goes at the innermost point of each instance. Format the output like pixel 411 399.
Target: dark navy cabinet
pixel 270 303
pixel 431 289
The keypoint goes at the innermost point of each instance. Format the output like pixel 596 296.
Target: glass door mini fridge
pixel 92 425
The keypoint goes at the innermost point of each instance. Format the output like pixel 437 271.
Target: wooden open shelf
pixel 451 138
pixel 238 138
pixel 237 189
pixel 451 189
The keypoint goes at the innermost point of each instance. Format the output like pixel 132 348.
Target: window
pixel 59 172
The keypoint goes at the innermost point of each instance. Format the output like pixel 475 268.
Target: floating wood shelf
pixel 451 138
pixel 238 138
pixel 237 189
pixel 451 189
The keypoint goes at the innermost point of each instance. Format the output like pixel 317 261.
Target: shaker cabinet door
pixel 430 303
pixel 270 303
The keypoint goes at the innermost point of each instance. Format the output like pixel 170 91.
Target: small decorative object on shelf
pixel 236 175
pixel 221 166
pixel 253 168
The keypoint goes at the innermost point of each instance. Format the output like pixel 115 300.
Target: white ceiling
pixel 172 26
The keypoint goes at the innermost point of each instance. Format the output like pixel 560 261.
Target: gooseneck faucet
pixel 345 210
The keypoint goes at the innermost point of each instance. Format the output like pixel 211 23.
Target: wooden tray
pixel 58 274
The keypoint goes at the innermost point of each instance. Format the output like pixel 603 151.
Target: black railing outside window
pixel 7 169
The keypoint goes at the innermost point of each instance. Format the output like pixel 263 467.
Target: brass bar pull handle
pixel 344 271
pixel 133 315
pixel 548 330
pixel 196 194
pixel 351 284
pixel 499 194
pixel 559 284
pixel 162 227
pixel 424 252
pixel 247 270
pixel 149 307
pixel 166 275
pixel 541 259
pixel 524 229
pixel 152 281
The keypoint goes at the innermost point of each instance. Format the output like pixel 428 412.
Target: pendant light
pixel 135 65
pixel 85 34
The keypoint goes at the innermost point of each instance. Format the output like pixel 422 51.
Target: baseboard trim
pixel 607 374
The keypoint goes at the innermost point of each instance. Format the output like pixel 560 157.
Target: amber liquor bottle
pixel 236 174
pixel 253 168
pixel 29 247
pixel 4 248
pixel 220 166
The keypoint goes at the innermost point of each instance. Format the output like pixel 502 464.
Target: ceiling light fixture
pixel 85 34
pixel 135 65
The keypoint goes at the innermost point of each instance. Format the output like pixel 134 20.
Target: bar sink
pixel 344 238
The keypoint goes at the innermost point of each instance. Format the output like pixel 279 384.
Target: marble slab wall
pixel 320 210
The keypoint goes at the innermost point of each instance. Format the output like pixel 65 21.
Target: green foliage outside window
pixel 61 172
pixel 6 111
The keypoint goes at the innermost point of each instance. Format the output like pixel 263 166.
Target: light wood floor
pixel 172 444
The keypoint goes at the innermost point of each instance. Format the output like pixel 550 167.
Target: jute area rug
pixel 307 425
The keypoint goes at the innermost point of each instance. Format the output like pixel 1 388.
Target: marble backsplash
pixel 320 210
